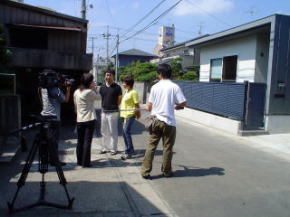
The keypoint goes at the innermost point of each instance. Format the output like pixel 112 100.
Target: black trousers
pixel 85 136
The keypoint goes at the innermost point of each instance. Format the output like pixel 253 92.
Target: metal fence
pixel 239 101
pixel 225 99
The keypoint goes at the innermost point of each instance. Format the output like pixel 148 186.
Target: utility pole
pixel 98 64
pixel 117 58
pixel 93 48
pixel 107 37
pixel 84 9
pixel 97 67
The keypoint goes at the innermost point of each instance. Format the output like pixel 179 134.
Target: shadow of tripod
pixel 47 153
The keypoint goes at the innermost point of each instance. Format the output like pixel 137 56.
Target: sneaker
pixel 113 152
pixel 126 156
pixel 103 152
pixel 146 176
pixel 168 175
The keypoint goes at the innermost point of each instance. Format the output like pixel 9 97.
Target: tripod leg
pixel 60 173
pixel 25 171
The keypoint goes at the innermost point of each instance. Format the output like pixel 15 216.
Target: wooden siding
pixel 50 59
pixel 15 15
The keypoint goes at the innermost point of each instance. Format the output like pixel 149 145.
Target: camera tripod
pixel 47 153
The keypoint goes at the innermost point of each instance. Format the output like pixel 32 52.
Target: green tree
pixel 189 76
pixel 139 71
pixel 176 68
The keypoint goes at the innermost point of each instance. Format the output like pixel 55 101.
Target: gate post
pixel 246 105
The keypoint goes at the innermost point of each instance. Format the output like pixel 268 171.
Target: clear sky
pixel 190 17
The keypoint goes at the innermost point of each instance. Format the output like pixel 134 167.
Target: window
pixel 230 68
pixel 223 69
pixel 216 69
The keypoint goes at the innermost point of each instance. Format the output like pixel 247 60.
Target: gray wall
pixel 142 90
pixel 262 57
pixel 10 115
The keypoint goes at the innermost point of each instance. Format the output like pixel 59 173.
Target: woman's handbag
pixel 148 122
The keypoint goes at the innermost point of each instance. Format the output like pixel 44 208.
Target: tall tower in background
pixel 166 38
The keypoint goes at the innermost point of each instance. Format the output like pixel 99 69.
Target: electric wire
pixel 153 22
pixel 110 12
pixel 143 18
pixel 208 13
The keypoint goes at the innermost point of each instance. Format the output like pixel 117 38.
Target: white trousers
pixel 109 130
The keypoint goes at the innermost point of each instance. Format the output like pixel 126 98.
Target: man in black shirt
pixel 111 94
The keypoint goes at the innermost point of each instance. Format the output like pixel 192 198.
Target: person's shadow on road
pixel 195 172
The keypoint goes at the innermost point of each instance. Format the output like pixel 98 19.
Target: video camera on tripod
pixel 43 145
pixel 49 78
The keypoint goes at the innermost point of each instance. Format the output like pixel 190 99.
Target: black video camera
pixel 49 78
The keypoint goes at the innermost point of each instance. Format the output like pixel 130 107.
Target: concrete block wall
pixel 10 115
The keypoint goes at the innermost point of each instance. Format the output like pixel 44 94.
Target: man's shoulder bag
pixel 149 121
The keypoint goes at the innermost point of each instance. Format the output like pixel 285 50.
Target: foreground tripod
pixel 47 153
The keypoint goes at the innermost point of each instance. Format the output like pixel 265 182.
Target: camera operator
pixel 52 97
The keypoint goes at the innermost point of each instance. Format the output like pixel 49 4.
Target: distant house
pixel 189 55
pixel 133 55
pixel 256 52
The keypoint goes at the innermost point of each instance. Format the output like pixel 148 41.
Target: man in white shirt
pixel 165 96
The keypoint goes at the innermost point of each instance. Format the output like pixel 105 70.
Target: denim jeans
pixel 128 122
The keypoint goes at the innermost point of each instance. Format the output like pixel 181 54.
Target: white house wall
pixel 262 57
pixel 244 48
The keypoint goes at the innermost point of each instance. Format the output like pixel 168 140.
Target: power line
pixel 110 12
pixel 189 33
pixel 153 22
pixel 114 27
pixel 211 15
pixel 144 17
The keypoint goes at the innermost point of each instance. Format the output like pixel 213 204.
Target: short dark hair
pixel 109 71
pixel 129 81
pixel 86 80
pixel 164 70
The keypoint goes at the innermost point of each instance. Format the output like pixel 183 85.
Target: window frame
pixel 221 79
pixel 210 76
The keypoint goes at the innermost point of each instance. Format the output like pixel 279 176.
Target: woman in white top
pixel 84 99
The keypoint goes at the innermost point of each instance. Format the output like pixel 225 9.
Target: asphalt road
pixel 221 176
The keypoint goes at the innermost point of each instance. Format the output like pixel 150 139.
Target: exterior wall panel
pixel 244 48
pixel 262 57
pixel 279 102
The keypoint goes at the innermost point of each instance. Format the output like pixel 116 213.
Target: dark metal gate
pixel 254 106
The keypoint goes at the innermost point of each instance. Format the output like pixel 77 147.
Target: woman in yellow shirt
pixel 129 104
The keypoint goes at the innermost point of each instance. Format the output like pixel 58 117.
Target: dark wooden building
pixel 41 38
